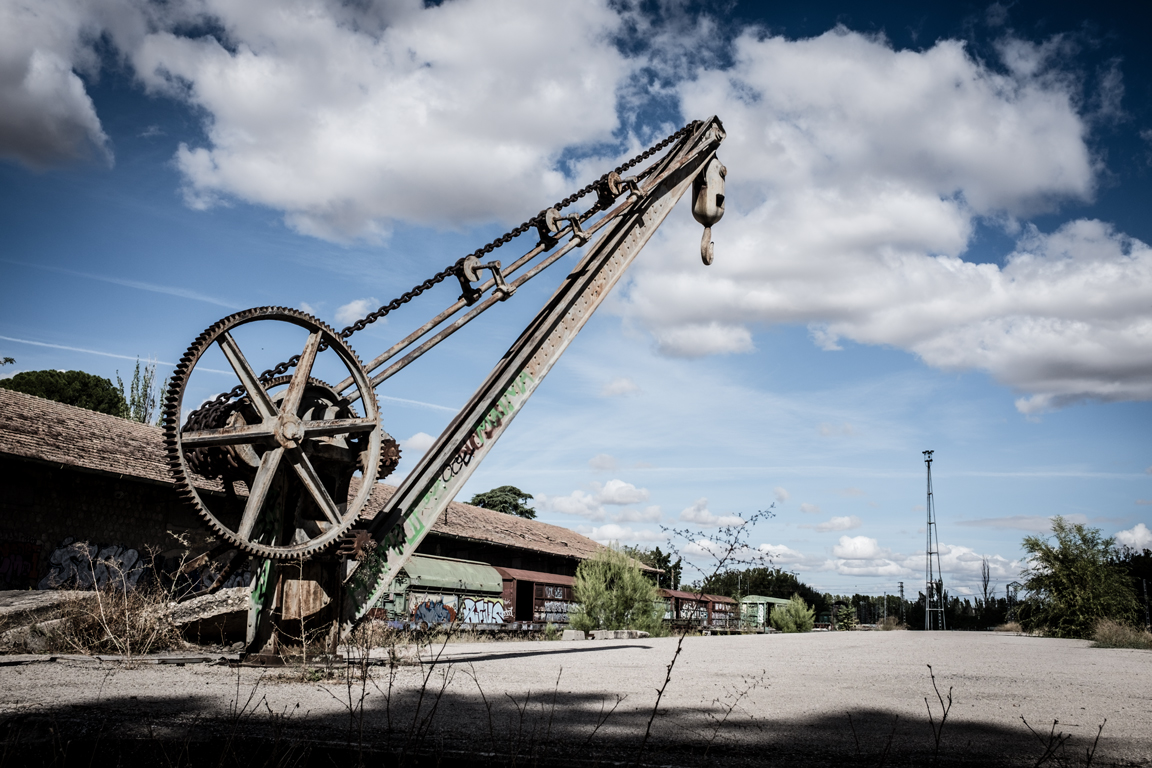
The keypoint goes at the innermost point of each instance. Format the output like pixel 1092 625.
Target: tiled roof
pixel 46 431
pixel 464 521
pixel 34 428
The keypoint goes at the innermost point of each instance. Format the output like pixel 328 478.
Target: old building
pixel 68 474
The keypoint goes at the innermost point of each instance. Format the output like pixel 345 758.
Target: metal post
pixel 901 602
pixel 933 573
pixel 1147 620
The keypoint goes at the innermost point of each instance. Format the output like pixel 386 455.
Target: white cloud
pixel 577 503
pixel 346 117
pixel 418 443
pixel 619 386
pixel 306 307
pixel 858 174
pixel 699 339
pixel 850 492
pixel 837 524
pixel 602 462
pixel 610 532
pixel 1137 537
pixel 619 493
pixel 859 548
pixel 699 514
pixel 354 310
pixel 46 115
pixel 649 514
pixel 781 495
pixel 810 509
pixel 828 430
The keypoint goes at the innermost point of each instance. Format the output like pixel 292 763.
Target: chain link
pixel 205 413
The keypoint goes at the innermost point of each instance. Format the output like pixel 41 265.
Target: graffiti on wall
pixel 19 563
pixel 80 565
pixel 555 611
pixel 446 609
pixel 482 610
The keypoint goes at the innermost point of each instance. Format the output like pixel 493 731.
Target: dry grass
pixel 889 624
pixel 1109 634
pixel 128 623
pixel 1011 626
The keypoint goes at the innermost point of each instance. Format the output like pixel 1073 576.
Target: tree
pixel 796 616
pixel 8 361
pixel 1074 581
pixel 654 558
pixel 613 593
pixel 143 396
pixel 71 388
pixel 507 499
pixel 846 618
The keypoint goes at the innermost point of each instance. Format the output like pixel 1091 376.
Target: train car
pixel 698 610
pixel 439 590
pixel 755 611
pixel 536 597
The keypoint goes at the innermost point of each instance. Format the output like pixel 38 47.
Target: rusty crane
pixel 282 466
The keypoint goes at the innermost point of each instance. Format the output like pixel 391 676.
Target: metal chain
pixel 204 413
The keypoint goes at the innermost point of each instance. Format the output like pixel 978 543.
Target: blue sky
pixel 936 238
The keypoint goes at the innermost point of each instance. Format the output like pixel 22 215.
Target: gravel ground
pixel 819 698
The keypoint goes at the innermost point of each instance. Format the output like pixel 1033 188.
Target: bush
pixel 1073 582
pixel 612 593
pixel 1011 626
pixel 846 620
pixel 796 616
pixel 889 623
pixel 1110 634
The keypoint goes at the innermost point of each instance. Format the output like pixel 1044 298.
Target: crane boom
pixel 425 493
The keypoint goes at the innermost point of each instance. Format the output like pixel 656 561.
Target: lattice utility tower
pixel 933 573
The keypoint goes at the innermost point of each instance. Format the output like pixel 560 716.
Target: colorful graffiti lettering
pixel 484 610
pixel 429 612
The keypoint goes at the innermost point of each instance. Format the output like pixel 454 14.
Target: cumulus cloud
pixel 810 509
pixel 1137 537
pixel 780 494
pixel 858 175
pixel 619 386
pixel 602 462
pixel 46 115
pixel 612 533
pixel 577 503
pixel 418 443
pixel 619 492
pixel 346 117
pixel 859 548
pixel 837 524
pixel 354 310
pixel 591 505
pixel 649 514
pixel 699 514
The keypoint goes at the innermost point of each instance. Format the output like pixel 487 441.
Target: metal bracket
pixel 469 273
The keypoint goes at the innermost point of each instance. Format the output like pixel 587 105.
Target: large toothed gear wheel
pixel 285 460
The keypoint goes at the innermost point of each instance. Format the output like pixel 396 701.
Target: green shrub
pixel 1073 582
pixel 612 593
pixel 796 616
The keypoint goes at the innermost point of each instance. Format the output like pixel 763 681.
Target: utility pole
pixel 933 573
pixel 901 602
pixel 1147 620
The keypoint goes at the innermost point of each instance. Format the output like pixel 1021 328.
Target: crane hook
pixel 708 202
